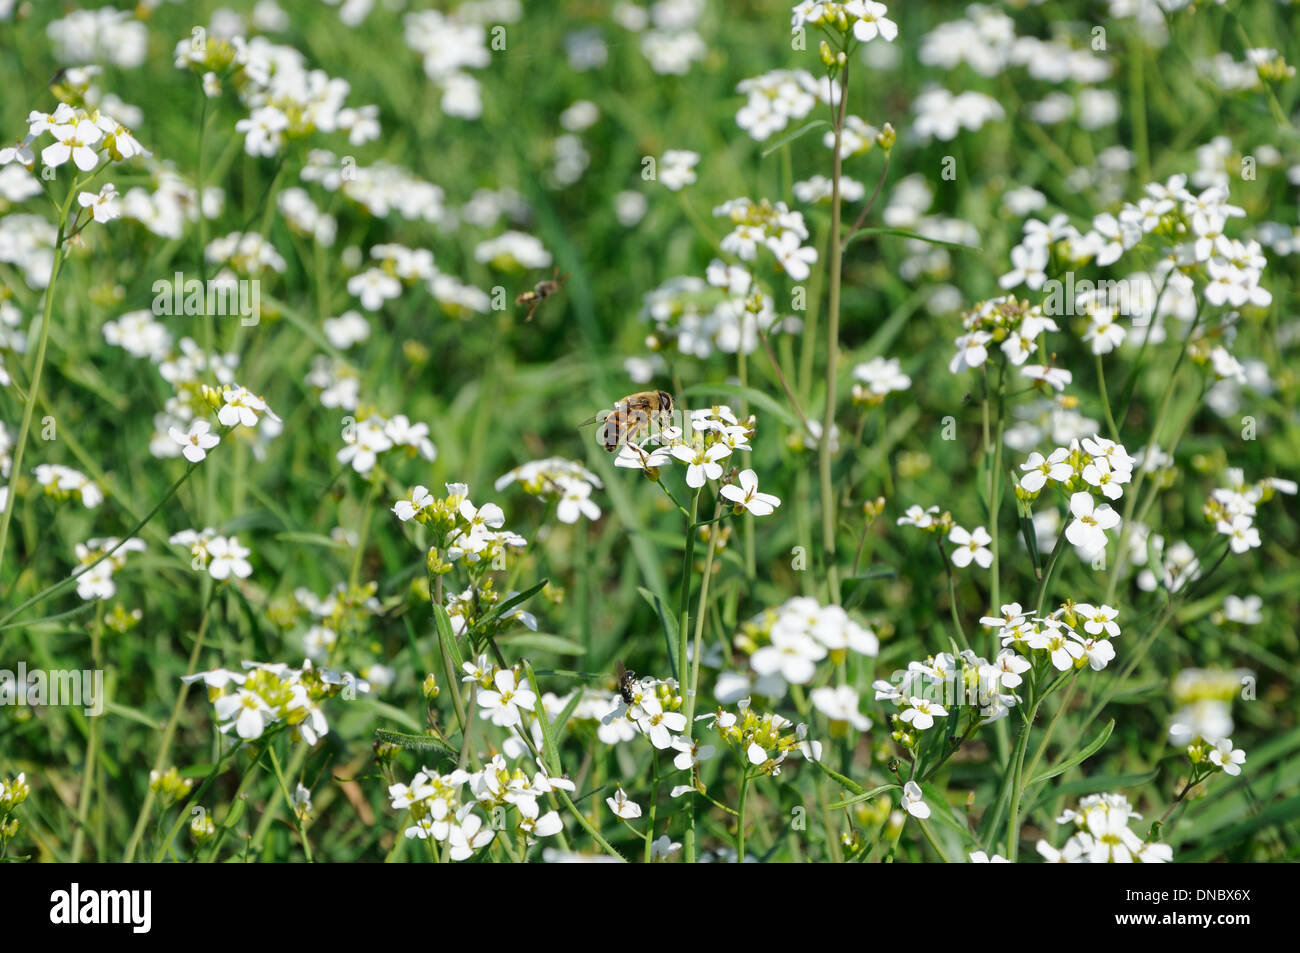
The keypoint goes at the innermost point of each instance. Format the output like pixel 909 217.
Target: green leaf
pixel 311 539
pixel 842 780
pixel 1086 752
pixel 416 742
pixel 1279 812
pixel 1091 785
pixel 794 135
pixel 550 752
pixel 448 639
pixel 386 710
pixel 502 609
pixel 544 642
pixel 904 233
pixel 134 714
pixel 858 798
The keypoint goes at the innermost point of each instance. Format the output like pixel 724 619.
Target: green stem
pixel 1105 401
pixel 833 352
pixel 92 748
pixel 65 583
pixel 34 385
pixel 288 802
pixel 169 732
pixel 740 819
pixel 273 809
pixel 683 621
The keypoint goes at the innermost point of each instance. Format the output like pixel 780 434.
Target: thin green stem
pixel 833 352
pixel 1105 400
pixel 288 802
pixel 34 386
pixel 169 731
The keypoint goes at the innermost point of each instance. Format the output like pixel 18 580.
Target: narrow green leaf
pixel 904 233
pixel 864 796
pixel 448 639
pixel 133 714
pixel 785 141
pixel 543 642
pixel 842 780
pixel 502 609
pixel 550 752
pixel 1086 752
pixel 416 742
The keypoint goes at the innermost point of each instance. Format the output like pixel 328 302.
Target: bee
pixel 540 292
pixel 631 415
pixel 626 680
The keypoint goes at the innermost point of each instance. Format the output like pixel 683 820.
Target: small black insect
pixel 625 681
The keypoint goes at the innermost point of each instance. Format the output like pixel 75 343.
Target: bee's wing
pixel 598 419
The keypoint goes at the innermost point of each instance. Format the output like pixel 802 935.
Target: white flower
pixel 912 802
pixel 1061 644
pixel 793 256
pixel 241 407
pixel 1103 333
pixel 918 517
pixel 408 509
pixel 840 703
pixel 364 442
pixel 1241 533
pixel 247 711
pixel 470 835
pixel 1099 652
pixel 1039 469
pixel 227 557
pixel 1055 377
pixel 677 168
pixel 503 704
pixel 871 22
pixel 1098 620
pixel 690 753
pixel 575 501
pixel 623 807
pixel 921 713
pixel 882 376
pixel 792 654
pixel 1243 610
pixel 1087 531
pixel 971 545
pixel 1225 756
pixel 658 724
pixel 971 351
pixel 1010 666
pixel 104 206
pixel 746 495
pixel 75 142
pixel 703 463
pixel 663 846
pixel 197 442
pixel 374 287
pixel 347 329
